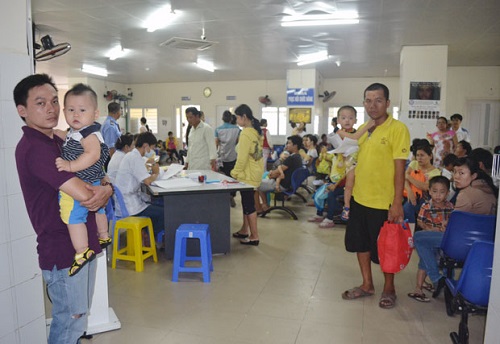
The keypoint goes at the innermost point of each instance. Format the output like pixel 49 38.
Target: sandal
pixel 238 235
pixel 428 286
pixel 356 293
pixel 387 301
pixel 419 297
pixel 345 214
pixel 105 242
pixel 81 259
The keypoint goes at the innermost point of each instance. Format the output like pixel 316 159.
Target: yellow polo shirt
pixel 374 183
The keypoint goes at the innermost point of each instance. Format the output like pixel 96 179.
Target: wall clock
pixel 207 92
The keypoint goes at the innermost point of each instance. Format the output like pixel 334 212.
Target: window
pixel 151 115
pixel 276 119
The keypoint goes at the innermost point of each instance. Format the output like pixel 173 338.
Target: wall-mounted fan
pixel 327 95
pixel 265 100
pixel 50 50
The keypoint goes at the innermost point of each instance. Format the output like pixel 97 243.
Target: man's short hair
pixel 296 140
pixel 456 116
pixel 146 137
pixel 375 87
pixel 482 155
pixel 450 159
pixel 194 111
pixel 79 90
pixel 113 107
pixel 24 86
pixel 226 116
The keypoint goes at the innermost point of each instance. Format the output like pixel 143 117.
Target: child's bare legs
pixel 79 239
pixel 418 293
pixel 102 226
pixel 102 230
pixel 349 184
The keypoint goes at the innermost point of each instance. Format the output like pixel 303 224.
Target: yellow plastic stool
pixel 134 251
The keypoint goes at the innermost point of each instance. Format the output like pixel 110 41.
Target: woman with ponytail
pixel 248 169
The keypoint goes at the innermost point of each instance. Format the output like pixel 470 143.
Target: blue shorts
pixel 72 212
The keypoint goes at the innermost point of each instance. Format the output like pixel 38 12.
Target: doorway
pixel 483 123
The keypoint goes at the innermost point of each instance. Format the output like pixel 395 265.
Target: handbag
pixel 395 245
pixel 320 196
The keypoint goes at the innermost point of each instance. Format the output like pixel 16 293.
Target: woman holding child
pixel 477 195
pixel 417 177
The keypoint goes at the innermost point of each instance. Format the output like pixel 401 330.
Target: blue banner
pixel 300 97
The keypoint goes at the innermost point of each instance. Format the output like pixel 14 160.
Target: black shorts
pixel 248 202
pixel 363 228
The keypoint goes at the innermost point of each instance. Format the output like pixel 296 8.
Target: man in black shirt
pixel 294 161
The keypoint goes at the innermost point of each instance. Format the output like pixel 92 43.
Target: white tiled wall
pixel 22 311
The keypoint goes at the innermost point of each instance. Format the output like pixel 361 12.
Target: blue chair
pixel 298 177
pixel 462 231
pixel 472 290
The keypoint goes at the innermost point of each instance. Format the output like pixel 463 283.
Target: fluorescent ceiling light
pixel 117 52
pixel 206 65
pixel 312 58
pixel 159 19
pixel 336 18
pixel 94 70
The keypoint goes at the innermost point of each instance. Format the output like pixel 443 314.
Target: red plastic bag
pixel 395 245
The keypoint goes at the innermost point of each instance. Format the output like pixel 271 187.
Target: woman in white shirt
pixel 123 145
pixel 131 174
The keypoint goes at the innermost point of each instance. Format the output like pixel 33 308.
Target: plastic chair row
pixel 298 177
pixel 472 290
pixel 462 231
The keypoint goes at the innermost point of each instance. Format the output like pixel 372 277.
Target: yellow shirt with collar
pixel 374 181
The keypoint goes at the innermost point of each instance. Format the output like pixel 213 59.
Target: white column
pixel 422 64
pixel 21 289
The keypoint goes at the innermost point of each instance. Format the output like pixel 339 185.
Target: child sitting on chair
pixel 84 153
pixel 433 216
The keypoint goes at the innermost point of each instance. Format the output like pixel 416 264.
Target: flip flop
pixel 428 286
pixel 355 293
pixel 387 301
pixel 238 235
pixel 419 297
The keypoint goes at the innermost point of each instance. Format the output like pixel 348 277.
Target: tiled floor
pixel 287 290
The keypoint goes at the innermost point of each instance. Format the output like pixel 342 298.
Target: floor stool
pixel 135 251
pixel 192 231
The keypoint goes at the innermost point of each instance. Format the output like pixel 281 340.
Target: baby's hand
pixel 370 124
pixel 63 165
pixel 60 133
pixel 332 187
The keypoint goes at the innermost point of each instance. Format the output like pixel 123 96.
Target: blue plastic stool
pixel 192 231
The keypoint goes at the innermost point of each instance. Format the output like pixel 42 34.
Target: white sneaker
pixel 327 224
pixel 318 182
pixel 315 218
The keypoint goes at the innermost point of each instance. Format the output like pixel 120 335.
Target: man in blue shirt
pixel 110 129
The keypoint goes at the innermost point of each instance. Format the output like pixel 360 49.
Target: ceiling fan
pixel 327 96
pixel 265 100
pixel 50 50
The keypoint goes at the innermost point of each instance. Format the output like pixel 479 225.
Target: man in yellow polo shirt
pixel 378 190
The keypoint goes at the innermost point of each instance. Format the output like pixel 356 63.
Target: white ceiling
pixel 252 44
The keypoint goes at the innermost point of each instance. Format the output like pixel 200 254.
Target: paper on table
pixel 172 170
pixel 347 147
pixel 175 183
